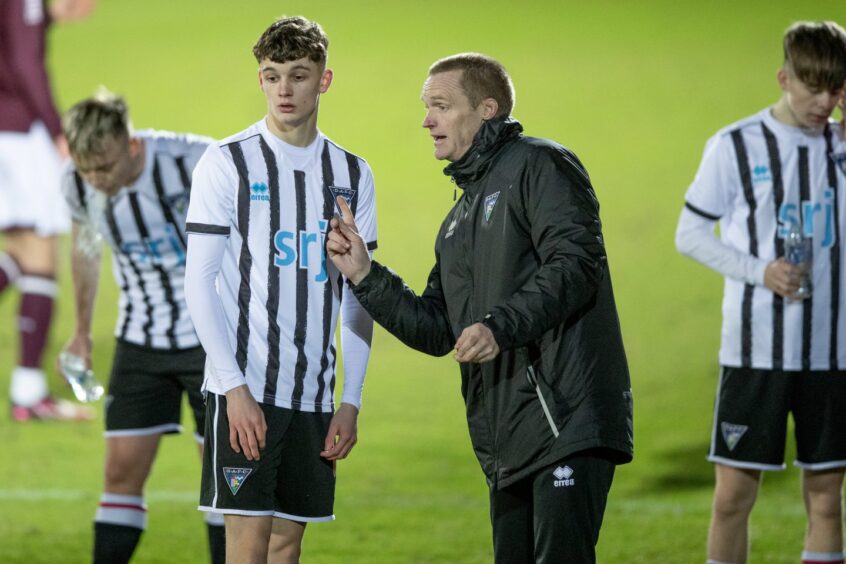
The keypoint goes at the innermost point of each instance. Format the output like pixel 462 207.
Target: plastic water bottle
pixel 81 379
pixel 797 251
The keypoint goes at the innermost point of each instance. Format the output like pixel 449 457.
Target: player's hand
pixel 79 345
pixel 476 344
pixel 345 247
pixel 64 11
pixel 782 278
pixel 247 427
pixel 343 433
pixel 61 144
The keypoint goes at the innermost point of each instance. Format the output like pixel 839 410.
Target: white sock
pixel 29 386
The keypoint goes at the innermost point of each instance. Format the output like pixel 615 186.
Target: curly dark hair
pixel 292 38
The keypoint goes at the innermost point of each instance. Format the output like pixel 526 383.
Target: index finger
pixel 346 212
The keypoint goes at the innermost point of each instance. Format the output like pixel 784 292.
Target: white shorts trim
pixel 275 514
pixel 206 508
pixel 157 430
pixel 279 515
pixel 820 465
pixel 744 465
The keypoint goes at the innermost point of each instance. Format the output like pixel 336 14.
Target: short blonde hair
pixel 89 122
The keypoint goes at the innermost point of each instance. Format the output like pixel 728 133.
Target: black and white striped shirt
pixel 759 177
pixel 280 295
pixel 144 224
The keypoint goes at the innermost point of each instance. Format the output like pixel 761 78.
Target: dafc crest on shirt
pixel 347 194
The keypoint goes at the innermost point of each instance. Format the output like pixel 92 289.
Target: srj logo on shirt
pixel 302 248
pixel 809 216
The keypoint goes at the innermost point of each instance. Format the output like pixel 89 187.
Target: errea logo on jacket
pixel 563 477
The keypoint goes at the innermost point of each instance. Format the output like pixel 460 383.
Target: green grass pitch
pixel 634 88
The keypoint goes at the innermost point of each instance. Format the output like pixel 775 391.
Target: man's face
pixel 111 168
pixel 809 107
pixel 292 90
pixel 450 119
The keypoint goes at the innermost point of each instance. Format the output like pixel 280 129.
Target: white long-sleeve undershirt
pixel 696 239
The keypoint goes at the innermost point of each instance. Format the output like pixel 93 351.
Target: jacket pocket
pixel 533 381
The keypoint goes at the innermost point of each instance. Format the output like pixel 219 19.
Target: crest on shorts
pixel 235 477
pixel 732 433
pixel 840 160
pixel 490 202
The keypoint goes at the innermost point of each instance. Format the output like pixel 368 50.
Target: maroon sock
pixel 34 317
pixel 9 271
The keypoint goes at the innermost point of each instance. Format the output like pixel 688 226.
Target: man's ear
pixel 782 78
pixel 489 108
pixel 326 80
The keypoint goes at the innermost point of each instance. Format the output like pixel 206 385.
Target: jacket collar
pixel 489 139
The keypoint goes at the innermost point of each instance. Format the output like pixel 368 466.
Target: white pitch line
pixel 76 495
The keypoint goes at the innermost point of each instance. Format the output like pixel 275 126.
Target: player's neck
pixel 300 135
pixel 783 113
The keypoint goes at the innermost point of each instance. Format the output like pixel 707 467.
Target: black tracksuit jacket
pixel 521 251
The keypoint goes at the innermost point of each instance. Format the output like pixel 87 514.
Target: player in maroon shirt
pixel 32 211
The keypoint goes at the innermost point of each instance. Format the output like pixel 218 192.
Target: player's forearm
pixel 356 338
pixel 205 254
pixel 695 238
pixel 85 271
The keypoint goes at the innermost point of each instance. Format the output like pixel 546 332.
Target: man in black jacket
pixel 521 278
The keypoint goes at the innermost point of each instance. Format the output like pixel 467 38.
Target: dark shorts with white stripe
pixel 290 481
pixel 750 418
pixel 146 386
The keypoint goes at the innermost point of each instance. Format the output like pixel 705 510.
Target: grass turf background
pixel 634 89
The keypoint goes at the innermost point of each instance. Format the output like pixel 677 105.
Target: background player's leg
pixel 122 515
pixel 286 541
pixel 9 271
pixel 734 496
pixel 821 490
pixel 36 258
pixel 247 539
pixel 214 526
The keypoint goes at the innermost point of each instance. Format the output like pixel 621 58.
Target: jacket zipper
pixel 530 374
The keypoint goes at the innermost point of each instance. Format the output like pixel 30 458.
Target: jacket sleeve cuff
pixel 501 338
pixel 373 282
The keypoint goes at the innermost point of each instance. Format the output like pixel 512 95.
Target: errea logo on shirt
pixel 258 192
pixel 761 173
